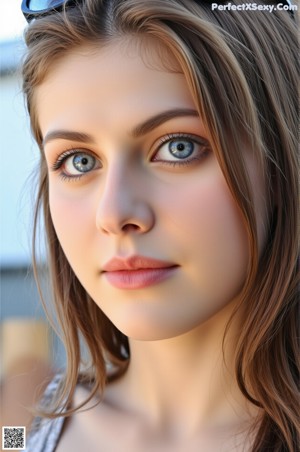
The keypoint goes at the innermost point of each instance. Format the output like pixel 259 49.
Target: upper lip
pixel 135 263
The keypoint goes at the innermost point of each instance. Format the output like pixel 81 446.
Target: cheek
pixel 205 211
pixel 213 235
pixel 226 245
pixel 71 218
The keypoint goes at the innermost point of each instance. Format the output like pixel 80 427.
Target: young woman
pixel 169 186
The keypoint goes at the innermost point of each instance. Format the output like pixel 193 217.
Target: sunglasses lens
pixel 40 5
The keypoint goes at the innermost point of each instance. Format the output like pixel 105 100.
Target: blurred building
pixel 19 157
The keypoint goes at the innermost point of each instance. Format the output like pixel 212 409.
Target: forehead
pixel 135 51
pixel 111 81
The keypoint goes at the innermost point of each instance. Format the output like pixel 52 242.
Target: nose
pixel 124 203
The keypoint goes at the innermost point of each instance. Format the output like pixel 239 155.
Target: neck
pixel 187 381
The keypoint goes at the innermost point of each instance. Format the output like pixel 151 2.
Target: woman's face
pixel 138 200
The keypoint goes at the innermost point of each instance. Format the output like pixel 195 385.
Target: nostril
pixel 130 227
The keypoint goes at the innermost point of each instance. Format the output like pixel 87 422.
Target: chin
pixel 147 330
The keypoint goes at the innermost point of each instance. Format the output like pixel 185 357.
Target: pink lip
pixel 137 272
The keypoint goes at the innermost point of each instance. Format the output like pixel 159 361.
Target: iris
pixel 83 162
pixel 181 148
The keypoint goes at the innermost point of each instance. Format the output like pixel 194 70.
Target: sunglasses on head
pixel 33 9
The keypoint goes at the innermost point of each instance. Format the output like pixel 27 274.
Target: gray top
pixel 44 433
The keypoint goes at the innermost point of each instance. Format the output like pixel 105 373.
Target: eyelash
pixel 184 136
pixel 60 160
pixel 165 139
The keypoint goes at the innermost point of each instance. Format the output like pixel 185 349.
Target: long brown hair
pixel 241 67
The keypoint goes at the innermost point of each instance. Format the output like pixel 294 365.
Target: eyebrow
pixel 157 120
pixel 67 135
pixel 138 131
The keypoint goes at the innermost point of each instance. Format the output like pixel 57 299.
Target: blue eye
pixel 79 163
pixel 73 163
pixel 181 149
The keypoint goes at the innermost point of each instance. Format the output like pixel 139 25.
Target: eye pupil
pixel 83 163
pixel 181 148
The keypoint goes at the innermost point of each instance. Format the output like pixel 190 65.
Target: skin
pixel 134 201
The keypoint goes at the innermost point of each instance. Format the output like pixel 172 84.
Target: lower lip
pixel 138 279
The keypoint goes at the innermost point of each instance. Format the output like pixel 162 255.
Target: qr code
pixel 13 438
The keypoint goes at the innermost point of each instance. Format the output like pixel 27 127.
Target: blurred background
pixel 18 159
pixel 23 328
